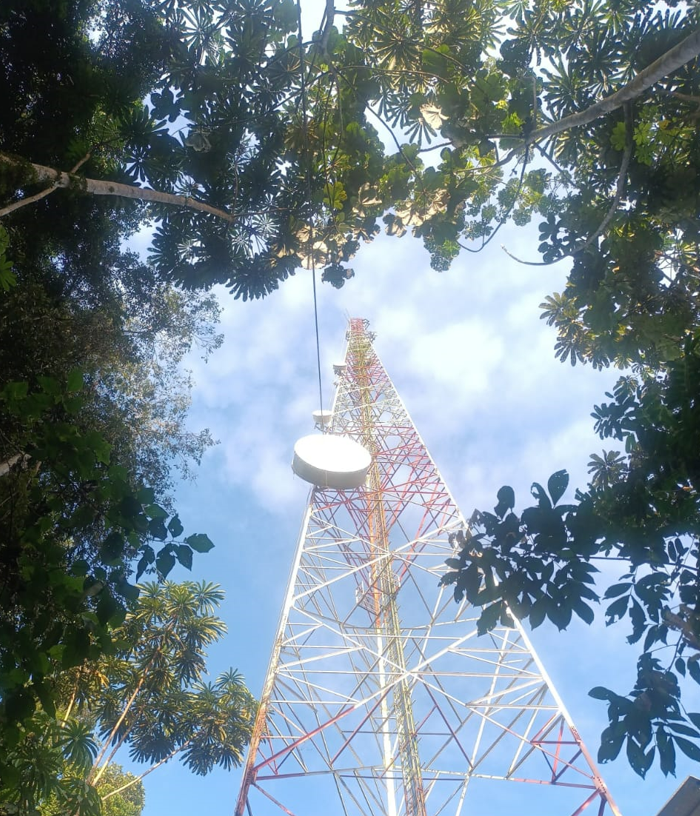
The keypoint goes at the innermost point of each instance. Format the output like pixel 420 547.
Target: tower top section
pixel 358 328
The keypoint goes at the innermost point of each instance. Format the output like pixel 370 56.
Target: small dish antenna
pixel 339 368
pixel 331 461
pixel 322 419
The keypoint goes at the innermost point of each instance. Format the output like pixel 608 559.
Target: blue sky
pixel 475 367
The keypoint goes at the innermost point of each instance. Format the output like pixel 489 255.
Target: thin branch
pixel 552 161
pixel 23 202
pixel 435 147
pixel 16 205
pixel 612 209
pixel 105 764
pixel 327 23
pixel 73 698
pixel 621 179
pixel 393 136
pixel 506 215
pixel 150 770
pixel 532 263
pixel 8 464
pixel 683 97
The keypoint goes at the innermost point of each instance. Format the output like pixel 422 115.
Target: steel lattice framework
pixel 380 698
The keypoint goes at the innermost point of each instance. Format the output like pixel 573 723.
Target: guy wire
pixel 309 192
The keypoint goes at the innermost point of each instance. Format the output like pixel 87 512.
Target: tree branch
pixel 23 202
pixel 666 64
pixel 113 732
pixel 110 188
pixel 150 770
pixel 328 17
pixel 16 205
pixel 105 764
pixel 612 209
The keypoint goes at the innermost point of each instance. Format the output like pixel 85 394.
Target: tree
pixel 257 151
pixel 150 695
pixel 641 508
pixel 73 529
pixel 128 333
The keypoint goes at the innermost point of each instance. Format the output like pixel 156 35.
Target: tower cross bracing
pixel 380 698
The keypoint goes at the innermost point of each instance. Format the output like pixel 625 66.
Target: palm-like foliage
pixel 156 701
pixel 150 698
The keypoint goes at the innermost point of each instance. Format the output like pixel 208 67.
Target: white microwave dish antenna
pixel 331 461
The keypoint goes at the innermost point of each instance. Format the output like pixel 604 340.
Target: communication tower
pixel 380 698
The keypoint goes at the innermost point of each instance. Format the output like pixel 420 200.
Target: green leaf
pixel 184 555
pixel 165 561
pixel 584 611
pixel 690 749
pixel 200 542
pixel 112 549
pixel 145 561
pixel 19 705
pixel 15 391
pixel 557 484
pixel 489 618
pixel 601 693
pixel 618 137
pixel 694 670
pixel 538 612
pixel 617 589
pixel 506 501
pixel 156 528
pixel 617 609
pixel 77 647
pixel 74 381
pixel 49 385
pixel 681 728
pixel 145 495
pixel 611 741
pixel 175 527
pixel 694 719
pixel 639 761
pixel 106 607
pixel 667 752
pixel 154 511
pixel 45 694
pixel 127 590
pixel 539 493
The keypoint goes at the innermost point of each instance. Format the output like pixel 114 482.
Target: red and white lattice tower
pixel 380 698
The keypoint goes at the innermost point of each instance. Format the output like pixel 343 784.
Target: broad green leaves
pixel 527 564
pixel 643 509
pixel 84 532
